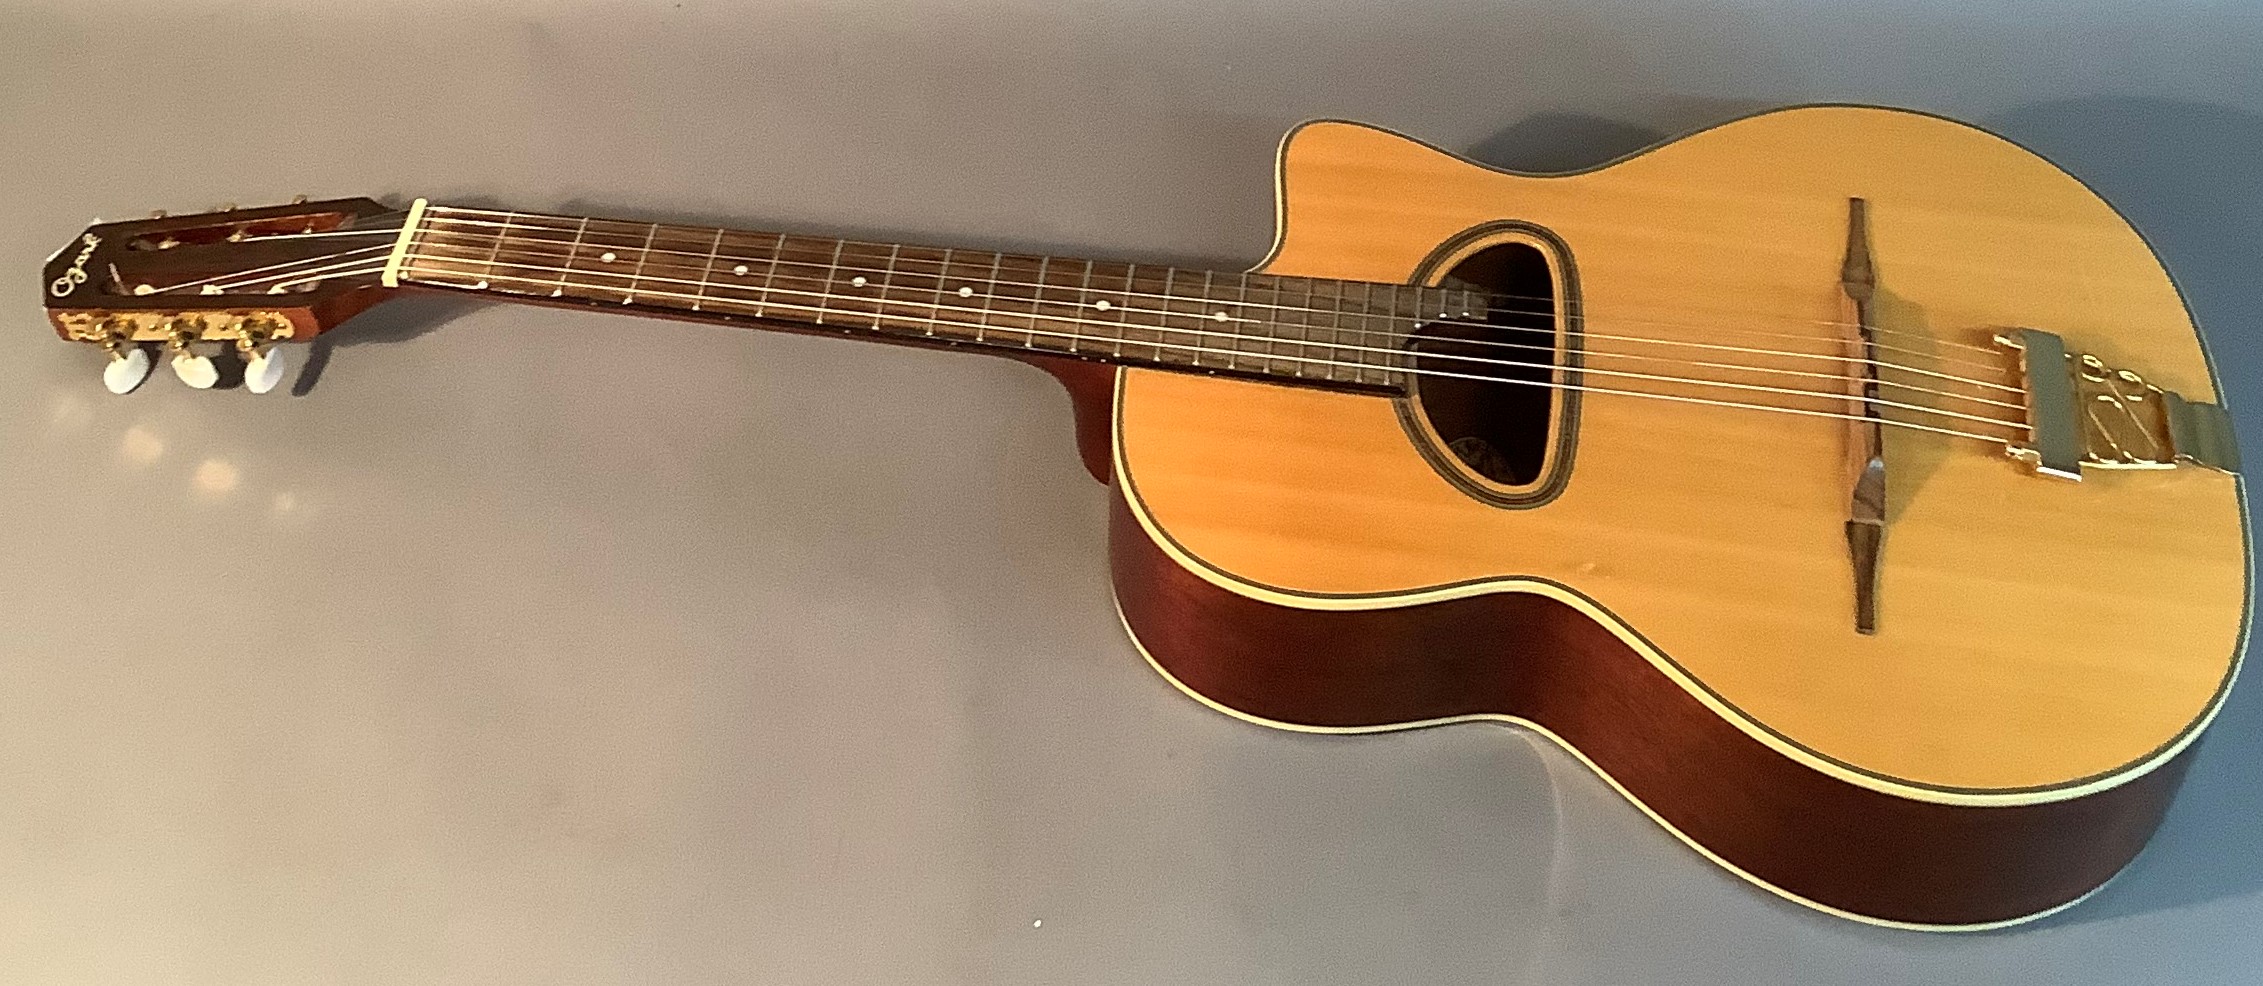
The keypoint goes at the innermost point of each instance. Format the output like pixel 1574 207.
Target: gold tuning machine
pixel 194 368
pixel 129 363
pixel 264 362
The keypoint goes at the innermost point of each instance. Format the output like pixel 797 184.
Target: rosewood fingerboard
pixel 1349 335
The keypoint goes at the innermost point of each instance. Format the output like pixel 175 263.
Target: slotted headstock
pixel 243 278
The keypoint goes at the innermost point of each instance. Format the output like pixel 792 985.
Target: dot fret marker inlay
pixel 608 257
pixel 739 270
pixel 966 292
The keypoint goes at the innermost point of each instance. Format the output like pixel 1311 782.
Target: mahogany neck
pixel 1348 335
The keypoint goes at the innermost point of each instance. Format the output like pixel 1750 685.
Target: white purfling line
pixel 393 262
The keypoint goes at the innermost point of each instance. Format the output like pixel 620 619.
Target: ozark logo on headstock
pixel 62 286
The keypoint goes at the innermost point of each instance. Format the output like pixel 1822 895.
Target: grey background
pixel 525 646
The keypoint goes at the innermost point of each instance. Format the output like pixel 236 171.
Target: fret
pixel 825 291
pixel 1338 298
pixel 566 269
pixel 1174 346
pixel 672 271
pixel 1258 297
pixel 989 293
pixel 965 280
pixel 497 248
pixel 1206 344
pixel 1084 296
pixel 604 269
pixel 707 272
pixel 1374 339
pixel 1037 301
pixel 1146 298
pixel 1061 306
pixel 1108 286
pixel 916 286
pixel 1304 315
pixel 742 263
pixel 1014 300
pixel 796 283
pixel 1062 294
pixel 1363 324
pixel 888 277
pixel 856 299
pixel 643 254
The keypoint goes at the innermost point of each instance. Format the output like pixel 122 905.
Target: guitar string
pixel 1365 335
pixel 433 216
pixel 1586 334
pixel 825 297
pixel 1198 350
pixel 1339 345
pixel 237 275
pixel 776 261
pixel 517 219
pixel 285 280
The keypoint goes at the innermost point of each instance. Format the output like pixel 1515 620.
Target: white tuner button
pixel 265 369
pixel 194 370
pixel 127 370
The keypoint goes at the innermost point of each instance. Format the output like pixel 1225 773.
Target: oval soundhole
pixel 1500 434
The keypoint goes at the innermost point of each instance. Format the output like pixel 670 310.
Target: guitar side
pixel 1288 557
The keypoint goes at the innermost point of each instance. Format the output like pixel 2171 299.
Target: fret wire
pixel 1391 311
pixel 942 283
pixel 500 236
pixel 888 277
pixel 1170 295
pixel 832 270
pixel 644 253
pixel 571 252
pixel 1084 292
pixel 770 273
pixel 708 273
pixel 1273 328
pixel 1037 297
pixel 1835 397
pixel 989 296
pixel 1208 278
pixel 1304 322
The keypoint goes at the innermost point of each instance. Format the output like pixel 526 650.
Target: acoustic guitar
pixel 1847 487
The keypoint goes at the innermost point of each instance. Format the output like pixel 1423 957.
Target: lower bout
pixel 1816 839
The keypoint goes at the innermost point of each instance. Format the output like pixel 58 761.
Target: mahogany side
pixel 1846 847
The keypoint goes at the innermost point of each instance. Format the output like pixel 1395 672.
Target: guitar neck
pixel 1347 335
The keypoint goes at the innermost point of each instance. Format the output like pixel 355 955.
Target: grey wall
pixel 524 646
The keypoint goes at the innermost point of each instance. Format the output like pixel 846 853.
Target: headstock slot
pixel 239 231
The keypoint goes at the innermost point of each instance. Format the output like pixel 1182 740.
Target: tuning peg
pixel 264 365
pixel 193 369
pixel 129 366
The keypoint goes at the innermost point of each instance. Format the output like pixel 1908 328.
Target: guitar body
pixel 1673 602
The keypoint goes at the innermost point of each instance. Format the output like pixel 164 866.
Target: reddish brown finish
pixel 1092 393
pixel 1536 658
